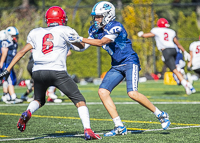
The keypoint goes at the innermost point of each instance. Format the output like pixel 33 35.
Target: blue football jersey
pixel 120 49
pixel 12 50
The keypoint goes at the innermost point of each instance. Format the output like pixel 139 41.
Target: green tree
pixel 187 29
pixel 138 18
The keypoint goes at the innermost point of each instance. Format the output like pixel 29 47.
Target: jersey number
pixel 47 44
pixel 197 49
pixel 166 37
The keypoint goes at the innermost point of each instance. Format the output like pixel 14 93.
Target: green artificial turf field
pixel 59 122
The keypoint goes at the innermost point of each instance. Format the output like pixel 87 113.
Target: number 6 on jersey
pixel 47 44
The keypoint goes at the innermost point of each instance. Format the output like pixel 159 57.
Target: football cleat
pixel 90 135
pixel 51 95
pixel 14 101
pixel 164 120
pixel 193 90
pixel 6 97
pixel 117 131
pixel 21 125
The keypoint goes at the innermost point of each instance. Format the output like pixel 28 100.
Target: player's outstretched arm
pixel 145 35
pixel 97 42
pixel 19 55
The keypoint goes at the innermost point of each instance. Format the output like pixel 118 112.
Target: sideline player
pixel 112 36
pixel 194 63
pixel 50 46
pixel 9 50
pixel 166 42
pixel 180 64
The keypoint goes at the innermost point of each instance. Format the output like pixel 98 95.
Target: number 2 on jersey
pixel 166 36
pixel 47 44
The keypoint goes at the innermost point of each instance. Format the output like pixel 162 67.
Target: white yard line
pixel 95 103
pixel 81 135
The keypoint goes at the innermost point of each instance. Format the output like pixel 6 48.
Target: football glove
pixel 186 56
pixel 140 33
pixel 189 68
pixel 74 37
pixel 5 74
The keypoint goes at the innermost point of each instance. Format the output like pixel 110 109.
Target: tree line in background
pixel 136 15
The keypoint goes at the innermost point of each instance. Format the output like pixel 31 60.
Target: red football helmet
pixel 162 22
pixel 55 15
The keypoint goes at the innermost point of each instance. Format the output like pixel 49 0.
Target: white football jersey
pixel 50 47
pixel 195 48
pixel 164 37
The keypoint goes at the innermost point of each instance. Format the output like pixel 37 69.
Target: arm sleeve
pixel 75 48
pixel 190 48
pixel 29 39
pixel 4 44
pixel 153 31
pixel 113 33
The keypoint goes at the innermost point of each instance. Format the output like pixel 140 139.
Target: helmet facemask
pixel 107 10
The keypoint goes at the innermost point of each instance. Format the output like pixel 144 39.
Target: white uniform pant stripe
pixel 135 77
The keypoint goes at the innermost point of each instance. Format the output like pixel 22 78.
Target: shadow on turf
pixel 142 131
pixel 139 132
pixel 174 92
pixel 178 92
pixel 59 135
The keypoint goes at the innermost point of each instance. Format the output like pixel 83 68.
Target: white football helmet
pixel 3 35
pixel 11 31
pixel 106 9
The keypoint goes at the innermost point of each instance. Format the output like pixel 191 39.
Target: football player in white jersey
pixel 165 41
pixel 112 37
pixel 194 63
pixel 50 46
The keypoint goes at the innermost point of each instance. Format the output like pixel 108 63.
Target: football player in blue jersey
pixel 3 39
pixel 180 64
pixel 112 36
pixel 9 50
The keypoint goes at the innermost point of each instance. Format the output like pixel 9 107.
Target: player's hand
pixel 189 68
pixel 140 33
pixel 5 74
pixel 187 56
pixel 74 37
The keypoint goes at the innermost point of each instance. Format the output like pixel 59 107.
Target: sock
pixel 185 83
pixel 13 96
pixel 33 106
pixel 84 115
pixel 4 94
pixel 157 112
pixel 118 122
